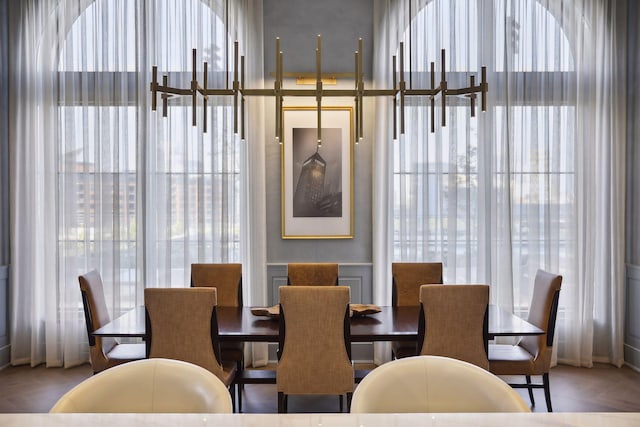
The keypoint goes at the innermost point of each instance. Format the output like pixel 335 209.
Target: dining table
pixel 399 323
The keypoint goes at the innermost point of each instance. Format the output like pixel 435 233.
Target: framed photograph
pixel 317 179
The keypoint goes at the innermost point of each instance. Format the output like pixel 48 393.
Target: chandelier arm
pixel 395 99
pixel 360 89
pixel 236 87
pixel 485 87
pixel 443 87
pixel 194 89
pixel 433 99
pixel 319 90
pixel 205 98
pixel 472 97
pixel 154 88
pixel 242 102
pixel 402 88
pixel 357 98
pixel 165 96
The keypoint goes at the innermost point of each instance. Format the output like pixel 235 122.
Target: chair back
pixel 314 341
pixel 454 322
pixel 148 386
pixel 542 313
pixel 312 274
pixel 181 324
pixel 409 276
pixel 226 278
pixel 434 384
pixel 96 316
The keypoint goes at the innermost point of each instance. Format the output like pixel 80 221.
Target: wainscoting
pixel 632 329
pixel 5 349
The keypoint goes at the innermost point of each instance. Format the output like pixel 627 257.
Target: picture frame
pixel 317 181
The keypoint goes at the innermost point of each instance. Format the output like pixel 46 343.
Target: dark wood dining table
pixel 390 324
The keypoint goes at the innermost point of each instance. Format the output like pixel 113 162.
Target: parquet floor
pixel 603 388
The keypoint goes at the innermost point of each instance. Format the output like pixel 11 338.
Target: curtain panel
pixel 537 181
pixel 100 181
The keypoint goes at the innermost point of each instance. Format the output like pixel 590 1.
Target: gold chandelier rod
pixel 398 92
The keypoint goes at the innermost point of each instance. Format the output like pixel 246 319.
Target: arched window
pixel 142 196
pixel 492 196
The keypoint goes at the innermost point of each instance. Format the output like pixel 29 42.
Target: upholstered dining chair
pixel 103 352
pixel 315 349
pixel 312 274
pixel 227 279
pixel 181 324
pixel 405 291
pixel 148 386
pixel 453 322
pixel 434 384
pixel 532 354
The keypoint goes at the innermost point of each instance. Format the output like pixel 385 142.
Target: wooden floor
pixel 603 388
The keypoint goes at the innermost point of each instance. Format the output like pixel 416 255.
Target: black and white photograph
pixel 317 176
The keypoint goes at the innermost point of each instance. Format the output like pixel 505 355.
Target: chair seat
pixel 228 373
pixel 404 349
pixel 232 350
pixel 127 352
pixel 505 359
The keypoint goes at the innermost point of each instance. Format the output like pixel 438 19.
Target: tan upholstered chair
pixel 148 386
pixel 315 348
pixel 532 355
pixel 405 291
pixel 104 352
pixel 227 279
pixel 312 274
pixel 454 322
pixel 434 384
pixel 181 324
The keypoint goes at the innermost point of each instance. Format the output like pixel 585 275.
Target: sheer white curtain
pixel 536 181
pixel 100 181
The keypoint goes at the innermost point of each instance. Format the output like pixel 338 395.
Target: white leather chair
pixel 434 384
pixel 148 386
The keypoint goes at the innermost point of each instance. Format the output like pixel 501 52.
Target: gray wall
pixel 340 23
pixel 298 23
pixel 4 184
pixel 632 332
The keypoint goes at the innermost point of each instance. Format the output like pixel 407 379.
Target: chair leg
pixel 340 403
pixel 547 392
pixel 530 389
pixel 239 368
pixel 282 404
pixel 232 391
pixel 349 396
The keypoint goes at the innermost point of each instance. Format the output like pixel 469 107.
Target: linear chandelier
pixel 398 92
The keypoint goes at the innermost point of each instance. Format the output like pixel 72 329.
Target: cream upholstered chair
pixel 227 279
pixel 315 348
pixel 312 274
pixel 434 384
pixel 104 352
pixel 405 291
pixel 181 324
pixel 148 386
pixel 454 322
pixel 532 355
